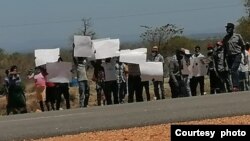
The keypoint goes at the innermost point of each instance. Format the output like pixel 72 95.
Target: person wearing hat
pixel 157 57
pixel 234 45
pixel 175 77
pixel 185 69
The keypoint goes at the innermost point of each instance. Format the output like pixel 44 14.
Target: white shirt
pixel 199 68
pixel 242 67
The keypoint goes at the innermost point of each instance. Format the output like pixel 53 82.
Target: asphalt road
pixel 47 124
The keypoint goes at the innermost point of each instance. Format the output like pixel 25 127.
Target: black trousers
pixel 194 81
pixel 111 87
pixel 62 89
pixel 134 87
pixel 50 98
pixel 233 65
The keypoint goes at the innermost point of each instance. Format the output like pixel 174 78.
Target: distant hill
pixel 30 46
pixel 197 36
pixel 204 36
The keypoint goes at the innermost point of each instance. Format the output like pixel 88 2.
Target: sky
pixel 26 25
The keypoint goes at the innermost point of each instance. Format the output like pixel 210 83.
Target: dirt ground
pixel 148 133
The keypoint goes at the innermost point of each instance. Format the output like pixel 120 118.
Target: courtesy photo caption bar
pixel 210 132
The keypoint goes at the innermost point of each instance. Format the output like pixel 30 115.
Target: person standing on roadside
pixel 157 57
pixel 121 71
pixel 40 86
pixel 81 71
pixel 197 76
pixel 234 45
pixel 16 97
pixel 62 88
pixel 99 79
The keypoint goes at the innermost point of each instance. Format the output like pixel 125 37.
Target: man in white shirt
pixel 197 75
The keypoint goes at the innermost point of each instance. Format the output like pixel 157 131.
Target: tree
pixel 244 28
pixel 160 35
pixel 177 42
pixel 244 23
pixel 86 30
pixel 247 6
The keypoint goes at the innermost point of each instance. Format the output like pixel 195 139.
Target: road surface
pixel 55 123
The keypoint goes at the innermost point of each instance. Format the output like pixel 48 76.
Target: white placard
pixel 83 46
pixel 135 56
pixel 141 50
pixel 59 72
pixel 44 56
pixel 151 70
pixel 109 69
pixel 101 39
pixel 106 48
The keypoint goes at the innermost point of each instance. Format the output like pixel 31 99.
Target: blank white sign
pixel 59 72
pixel 44 56
pixel 106 48
pixel 83 46
pixel 151 70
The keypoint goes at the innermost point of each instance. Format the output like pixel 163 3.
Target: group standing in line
pixel 226 64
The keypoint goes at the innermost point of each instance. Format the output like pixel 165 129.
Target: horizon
pixel 198 36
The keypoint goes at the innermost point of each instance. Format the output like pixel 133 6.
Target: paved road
pixel 37 125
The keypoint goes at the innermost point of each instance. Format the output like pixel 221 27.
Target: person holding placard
pixel 134 83
pixel 157 57
pixel 111 86
pixel 121 71
pixel 62 88
pixel 99 79
pixel 50 92
pixel 81 65
pixel 40 86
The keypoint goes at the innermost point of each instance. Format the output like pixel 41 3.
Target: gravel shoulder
pixel 147 133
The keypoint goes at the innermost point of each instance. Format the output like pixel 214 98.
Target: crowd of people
pixel 226 63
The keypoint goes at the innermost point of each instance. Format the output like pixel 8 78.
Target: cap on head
pixel 230 25
pixel 209 46
pixel 155 48
pixel 219 43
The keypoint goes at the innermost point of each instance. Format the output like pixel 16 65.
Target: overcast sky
pixel 31 24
